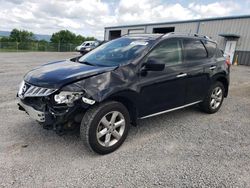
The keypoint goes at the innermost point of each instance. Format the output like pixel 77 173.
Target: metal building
pixel 231 33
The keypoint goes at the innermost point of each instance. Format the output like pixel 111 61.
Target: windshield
pixel 116 52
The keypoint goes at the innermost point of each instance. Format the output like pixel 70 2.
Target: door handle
pixel 212 67
pixel 181 75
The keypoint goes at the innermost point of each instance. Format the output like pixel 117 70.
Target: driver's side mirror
pixel 152 65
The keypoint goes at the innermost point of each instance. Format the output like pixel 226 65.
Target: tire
pixel 214 99
pixel 104 127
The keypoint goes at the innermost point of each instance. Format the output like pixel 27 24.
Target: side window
pixel 167 52
pixel 211 47
pixel 87 44
pixel 194 49
pixel 219 53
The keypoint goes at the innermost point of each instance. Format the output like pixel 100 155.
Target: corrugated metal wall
pixel 184 27
pixel 243 57
pixel 240 27
pixel 211 28
pixel 124 31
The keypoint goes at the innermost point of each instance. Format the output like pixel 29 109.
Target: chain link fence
pixel 36 46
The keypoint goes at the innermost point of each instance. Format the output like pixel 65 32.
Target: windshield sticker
pixel 141 43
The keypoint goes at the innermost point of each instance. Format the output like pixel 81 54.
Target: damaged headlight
pixel 67 97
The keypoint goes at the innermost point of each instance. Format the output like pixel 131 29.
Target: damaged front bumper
pixel 33 113
pixel 56 117
pixel 40 104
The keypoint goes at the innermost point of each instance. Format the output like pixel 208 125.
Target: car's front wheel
pixel 105 127
pixel 214 98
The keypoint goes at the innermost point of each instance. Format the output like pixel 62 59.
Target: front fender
pixel 102 86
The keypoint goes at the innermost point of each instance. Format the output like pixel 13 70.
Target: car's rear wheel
pixel 214 98
pixel 105 127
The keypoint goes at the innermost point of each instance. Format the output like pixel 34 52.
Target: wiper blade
pixel 87 63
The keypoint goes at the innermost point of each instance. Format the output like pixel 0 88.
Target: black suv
pixel 130 78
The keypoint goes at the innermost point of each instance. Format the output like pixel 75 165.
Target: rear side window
pixel 211 47
pixel 219 52
pixel 194 49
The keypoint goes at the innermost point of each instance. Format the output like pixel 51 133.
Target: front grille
pixel 35 91
pixel 28 90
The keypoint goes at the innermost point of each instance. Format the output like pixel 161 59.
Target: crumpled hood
pixel 60 73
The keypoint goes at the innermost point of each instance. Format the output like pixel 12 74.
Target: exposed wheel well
pixel 224 81
pixel 130 106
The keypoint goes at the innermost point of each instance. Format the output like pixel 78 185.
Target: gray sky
pixel 90 17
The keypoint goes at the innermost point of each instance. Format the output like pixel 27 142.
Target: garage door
pixel 114 34
pixel 163 29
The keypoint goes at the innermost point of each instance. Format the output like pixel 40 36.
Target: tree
pixel 21 36
pixel 79 39
pixel 66 36
pixel 4 39
pixel 42 45
pixel 63 36
pixel 90 38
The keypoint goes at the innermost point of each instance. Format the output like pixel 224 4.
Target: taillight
pixel 227 62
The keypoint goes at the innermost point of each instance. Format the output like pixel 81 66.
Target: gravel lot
pixel 185 148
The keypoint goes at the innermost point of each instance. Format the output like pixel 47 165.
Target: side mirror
pixel 152 65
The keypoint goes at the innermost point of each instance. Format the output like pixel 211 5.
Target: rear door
pixel 230 49
pixel 196 59
pixel 163 90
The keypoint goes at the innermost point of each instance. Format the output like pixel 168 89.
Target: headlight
pixel 21 90
pixel 67 97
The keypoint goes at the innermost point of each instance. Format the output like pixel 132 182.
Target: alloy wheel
pixel 110 128
pixel 216 98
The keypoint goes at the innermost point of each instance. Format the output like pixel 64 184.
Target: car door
pixel 163 90
pixel 196 58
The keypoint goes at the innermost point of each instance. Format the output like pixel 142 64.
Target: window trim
pixel 216 46
pixel 205 48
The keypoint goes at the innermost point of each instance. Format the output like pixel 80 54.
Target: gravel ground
pixel 185 148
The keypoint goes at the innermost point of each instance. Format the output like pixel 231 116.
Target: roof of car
pixel 144 35
pixel 169 35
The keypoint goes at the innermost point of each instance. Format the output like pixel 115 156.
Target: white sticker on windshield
pixel 141 43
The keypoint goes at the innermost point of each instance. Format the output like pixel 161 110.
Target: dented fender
pixel 108 84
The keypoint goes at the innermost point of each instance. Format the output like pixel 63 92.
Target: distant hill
pixel 43 37
pixel 4 33
pixel 38 36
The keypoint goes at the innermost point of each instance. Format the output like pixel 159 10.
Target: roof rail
pixel 202 36
pixel 187 34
